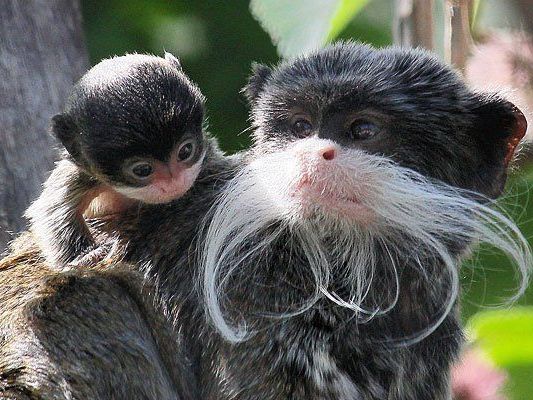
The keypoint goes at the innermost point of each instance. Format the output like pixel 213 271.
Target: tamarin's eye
pixel 186 150
pixel 302 127
pixel 361 129
pixel 141 169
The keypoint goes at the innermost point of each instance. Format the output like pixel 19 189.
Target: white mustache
pixel 409 212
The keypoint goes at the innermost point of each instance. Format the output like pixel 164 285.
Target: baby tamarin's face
pixel 329 112
pixel 135 122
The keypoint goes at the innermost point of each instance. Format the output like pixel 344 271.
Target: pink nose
pixel 328 153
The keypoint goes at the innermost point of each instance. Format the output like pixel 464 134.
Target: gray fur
pixel 55 217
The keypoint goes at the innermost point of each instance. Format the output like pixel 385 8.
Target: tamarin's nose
pixel 328 153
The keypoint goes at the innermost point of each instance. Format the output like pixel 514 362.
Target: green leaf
pixel 299 26
pixel 505 335
pixel 346 11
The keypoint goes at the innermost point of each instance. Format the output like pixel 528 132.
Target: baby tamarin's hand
pixel 98 254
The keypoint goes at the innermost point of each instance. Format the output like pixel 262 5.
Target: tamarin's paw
pixel 94 256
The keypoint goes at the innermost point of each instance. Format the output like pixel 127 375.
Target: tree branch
pixel 413 23
pixel 457 36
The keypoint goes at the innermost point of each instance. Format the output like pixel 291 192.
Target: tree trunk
pixel 42 53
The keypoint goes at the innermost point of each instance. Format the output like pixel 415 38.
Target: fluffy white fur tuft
pixel 366 203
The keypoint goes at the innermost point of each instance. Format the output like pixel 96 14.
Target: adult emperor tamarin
pixel 320 264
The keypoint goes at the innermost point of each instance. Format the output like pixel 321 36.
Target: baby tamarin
pixel 132 130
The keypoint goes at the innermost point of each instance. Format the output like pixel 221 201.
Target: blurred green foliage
pixel 505 335
pixel 299 26
pixel 217 41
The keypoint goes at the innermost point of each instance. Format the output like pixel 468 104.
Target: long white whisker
pixel 417 223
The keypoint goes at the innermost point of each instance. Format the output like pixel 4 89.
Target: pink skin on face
pixel 169 181
pixel 322 182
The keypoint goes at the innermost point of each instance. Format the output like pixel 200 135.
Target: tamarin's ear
pixel 65 130
pixel 173 60
pixel 260 75
pixel 498 129
pixel 502 123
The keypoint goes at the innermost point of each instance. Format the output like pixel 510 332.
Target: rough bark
pixel 42 52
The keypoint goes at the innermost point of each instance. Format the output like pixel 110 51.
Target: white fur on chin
pixel 362 200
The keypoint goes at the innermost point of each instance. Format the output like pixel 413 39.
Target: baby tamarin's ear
pixel 499 128
pixel 65 130
pixel 260 75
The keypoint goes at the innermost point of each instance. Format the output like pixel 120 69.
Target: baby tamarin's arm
pixel 56 217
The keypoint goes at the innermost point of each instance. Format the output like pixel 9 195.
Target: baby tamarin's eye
pixel 141 169
pixel 362 129
pixel 186 150
pixel 302 127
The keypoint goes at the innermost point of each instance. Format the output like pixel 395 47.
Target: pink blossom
pixel 476 378
pixel 503 62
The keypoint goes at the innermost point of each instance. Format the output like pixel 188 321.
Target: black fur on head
pixel 130 106
pixel 258 78
pixel 428 119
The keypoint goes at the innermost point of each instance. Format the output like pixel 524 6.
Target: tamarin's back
pixel 100 332
pixel 85 334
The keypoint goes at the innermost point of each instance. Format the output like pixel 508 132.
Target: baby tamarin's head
pixel 135 122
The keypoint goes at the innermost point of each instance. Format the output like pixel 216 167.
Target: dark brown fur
pixel 86 334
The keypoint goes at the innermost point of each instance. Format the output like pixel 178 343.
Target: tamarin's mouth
pixel 330 197
pixel 312 197
pixel 308 188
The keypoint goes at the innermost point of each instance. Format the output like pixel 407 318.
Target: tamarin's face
pixel 365 161
pixel 330 110
pixel 136 122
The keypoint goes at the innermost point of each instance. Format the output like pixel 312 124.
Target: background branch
pixel 413 23
pixel 457 36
